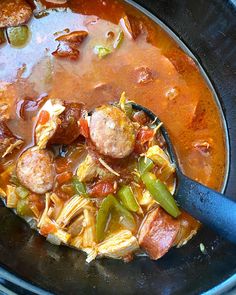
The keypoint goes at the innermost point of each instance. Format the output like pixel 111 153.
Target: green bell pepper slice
pixel 127 197
pixel 160 193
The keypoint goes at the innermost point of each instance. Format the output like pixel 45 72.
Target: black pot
pixel 30 265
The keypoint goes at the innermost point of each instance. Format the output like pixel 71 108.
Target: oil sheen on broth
pixel 152 70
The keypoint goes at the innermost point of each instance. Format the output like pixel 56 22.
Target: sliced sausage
pixel 158 232
pixel 35 170
pixel 14 13
pixel 68 129
pixel 112 132
pixel 68 46
pixel 8 141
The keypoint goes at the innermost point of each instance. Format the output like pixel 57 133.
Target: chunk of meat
pixel 14 13
pixel 132 26
pixel 8 142
pixel 181 62
pixel 68 129
pixel 112 132
pixel 103 188
pixel 68 46
pixel 28 105
pixel 35 170
pixel 188 228
pixel 143 75
pixel 157 233
pixel 47 122
pixel 90 169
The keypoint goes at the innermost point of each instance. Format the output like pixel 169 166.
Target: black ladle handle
pixel 210 207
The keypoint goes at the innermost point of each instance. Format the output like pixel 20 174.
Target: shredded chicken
pixel 44 132
pixel 12 197
pixel 73 207
pixel 89 169
pixel 14 145
pixel 118 245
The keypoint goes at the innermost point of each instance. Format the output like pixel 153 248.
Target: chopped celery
pixel 22 192
pixel 79 187
pixel 102 51
pixel 23 208
pixel 13 179
pixel 18 36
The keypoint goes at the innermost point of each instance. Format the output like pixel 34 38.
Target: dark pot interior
pixel 27 260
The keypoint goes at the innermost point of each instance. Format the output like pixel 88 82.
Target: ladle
pixel 210 207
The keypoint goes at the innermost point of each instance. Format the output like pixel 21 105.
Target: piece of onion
pixel 57 1
pixel 53 239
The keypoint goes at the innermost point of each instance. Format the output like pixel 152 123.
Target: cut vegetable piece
pixel 79 187
pixel 103 217
pixel 126 218
pixel 127 197
pixel 18 36
pixel 22 192
pixel 102 51
pixel 161 194
pixel 145 165
pixel 159 157
pixel 23 208
pixel 102 189
pixel 119 40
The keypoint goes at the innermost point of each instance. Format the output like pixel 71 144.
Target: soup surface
pixel 118 50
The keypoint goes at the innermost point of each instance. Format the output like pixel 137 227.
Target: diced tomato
pixel 47 229
pixel 44 117
pixel 37 201
pixel 68 189
pixel 139 148
pixel 61 165
pixel 84 128
pixel 64 177
pixel 145 135
pixel 142 137
pixel 102 189
pixel 140 117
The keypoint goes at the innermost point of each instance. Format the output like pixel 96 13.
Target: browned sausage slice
pixel 68 129
pixel 14 13
pixel 112 132
pixel 35 170
pixel 157 233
